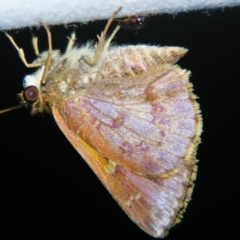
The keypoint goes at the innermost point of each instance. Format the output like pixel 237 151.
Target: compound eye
pixel 31 94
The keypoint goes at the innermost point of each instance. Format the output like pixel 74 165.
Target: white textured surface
pixel 16 14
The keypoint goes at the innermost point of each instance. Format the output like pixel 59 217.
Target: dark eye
pixel 31 94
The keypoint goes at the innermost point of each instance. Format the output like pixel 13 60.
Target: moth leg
pixel 49 56
pixel 71 41
pixel 107 43
pixel 101 42
pixel 35 45
pixel 22 55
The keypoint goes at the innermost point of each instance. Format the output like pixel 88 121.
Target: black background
pixel 48 191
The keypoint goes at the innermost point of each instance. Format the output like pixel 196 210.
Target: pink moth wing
pixel 137 126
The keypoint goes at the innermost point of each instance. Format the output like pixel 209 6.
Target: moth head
pixel 31 96
pixel 31 86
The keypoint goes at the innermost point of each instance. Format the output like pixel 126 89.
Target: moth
pixel 130 113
